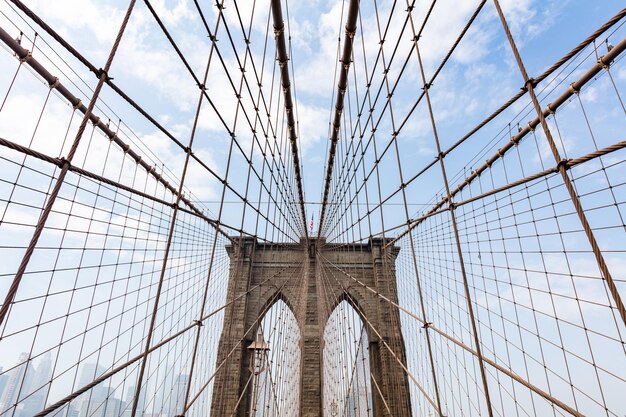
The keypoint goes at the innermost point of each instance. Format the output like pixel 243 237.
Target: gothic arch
pixel 262 274
pixel 347 372
pixel 267 299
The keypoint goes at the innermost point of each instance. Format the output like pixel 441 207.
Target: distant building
pixel 359 401
pixel 94 402
pixel 179 391
pixel 89 372
pixel 68 410
pixel 112 407
pixel 37 393
pixel 3 383
pixel 172 401
pixel 17 383
pixel 127 407
pixel 100 400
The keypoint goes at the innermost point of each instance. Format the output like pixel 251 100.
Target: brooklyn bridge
pixel 328 208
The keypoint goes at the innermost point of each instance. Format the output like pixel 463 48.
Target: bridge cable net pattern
pixel 507 282
pixel 509 277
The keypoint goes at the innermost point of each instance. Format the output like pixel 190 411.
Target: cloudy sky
pixel 479 77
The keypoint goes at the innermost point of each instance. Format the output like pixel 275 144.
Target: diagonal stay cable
pixel 470 350
pixel 353 12
pixel 602 63
pixel 283 59
pixel 109 82
pixel 382 340
pixel 212 103
pixel 41 222
pixel 51 408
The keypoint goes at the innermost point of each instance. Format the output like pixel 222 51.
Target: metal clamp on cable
pixel 55 84
pixel 605 65
pixel 563 163
pixel 279 31
pixel 27 57
pixel 100 72
pixel 64 163
pixel 529 84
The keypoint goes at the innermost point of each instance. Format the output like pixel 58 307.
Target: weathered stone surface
pixel 281 269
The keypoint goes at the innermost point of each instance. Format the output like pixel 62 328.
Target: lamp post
pixel 258 364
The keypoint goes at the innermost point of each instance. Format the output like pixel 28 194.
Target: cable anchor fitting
pixel 55 84
pixel 27 57
pixel 603 64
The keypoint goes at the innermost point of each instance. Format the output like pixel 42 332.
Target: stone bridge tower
pixel 253 263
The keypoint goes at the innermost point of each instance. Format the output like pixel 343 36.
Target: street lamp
pixel 258 364
pixel 259 349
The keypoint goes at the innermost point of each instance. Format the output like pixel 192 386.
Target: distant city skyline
pixel 460 167
pixel 27 386
pixel 24 391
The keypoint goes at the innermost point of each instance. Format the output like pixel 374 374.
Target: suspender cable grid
pixel 163 252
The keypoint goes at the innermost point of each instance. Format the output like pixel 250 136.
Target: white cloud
pixel 25 120
pixel 312 128
pixel 179 14
pixel 100 20
pixel 196 179
pixel 243 10
pixel 315 72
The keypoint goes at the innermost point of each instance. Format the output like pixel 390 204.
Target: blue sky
pixel 480 76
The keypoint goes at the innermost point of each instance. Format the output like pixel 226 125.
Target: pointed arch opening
pixel 347 386
pixel 274 385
